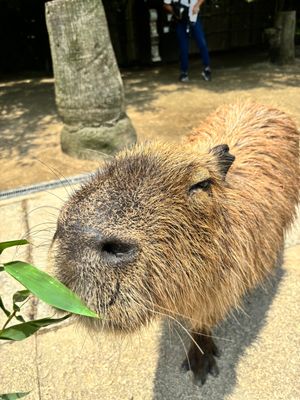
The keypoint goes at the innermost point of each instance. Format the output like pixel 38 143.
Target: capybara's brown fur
pixel 184 230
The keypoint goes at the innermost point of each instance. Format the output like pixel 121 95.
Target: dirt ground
pixel 159 106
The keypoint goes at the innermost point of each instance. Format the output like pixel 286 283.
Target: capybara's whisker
pixel 184 348
pixel 43 207
pixel 63 200
pixel 57 174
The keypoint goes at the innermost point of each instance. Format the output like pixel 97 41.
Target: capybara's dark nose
pixel 117 252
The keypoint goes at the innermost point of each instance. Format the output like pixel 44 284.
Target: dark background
pixel 228 24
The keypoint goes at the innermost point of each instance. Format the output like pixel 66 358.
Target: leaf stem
pixel 9 319
pixel 24 302
pixel 12 315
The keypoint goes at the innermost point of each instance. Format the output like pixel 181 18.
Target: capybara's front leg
pixel 201 357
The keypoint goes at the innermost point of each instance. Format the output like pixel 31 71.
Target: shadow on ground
pixel 23 119
pixel 144 86
pixel 158 105
pixel 28 106
pixel 233 337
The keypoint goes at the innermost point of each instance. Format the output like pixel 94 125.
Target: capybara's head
pixel 130 240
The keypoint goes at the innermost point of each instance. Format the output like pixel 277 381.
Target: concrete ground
pixel 260 346
pixel 259 361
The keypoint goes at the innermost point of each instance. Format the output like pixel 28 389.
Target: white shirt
pixel 183 2
pixel 187 3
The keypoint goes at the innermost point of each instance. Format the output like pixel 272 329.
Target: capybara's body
pixel 184 230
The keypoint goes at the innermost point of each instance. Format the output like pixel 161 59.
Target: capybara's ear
pixel 224 158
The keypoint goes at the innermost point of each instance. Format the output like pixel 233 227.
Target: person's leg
pixel 199 36
pixel 183 42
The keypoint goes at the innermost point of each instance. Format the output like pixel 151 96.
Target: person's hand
pixel 196 8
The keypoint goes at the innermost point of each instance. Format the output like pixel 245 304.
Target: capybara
pixel 183 230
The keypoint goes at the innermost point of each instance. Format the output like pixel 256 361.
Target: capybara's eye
pixel 203 185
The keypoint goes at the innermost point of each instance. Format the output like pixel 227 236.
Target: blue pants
pixel 183 39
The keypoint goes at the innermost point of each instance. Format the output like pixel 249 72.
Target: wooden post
pixel 282 38
pixel 285 22
pixel 88 86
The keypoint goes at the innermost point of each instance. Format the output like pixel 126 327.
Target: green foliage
pixel 12 243
pixel 47 288
pixel 3 308
pixel 23 331
pixel 13 396
pixel 43 286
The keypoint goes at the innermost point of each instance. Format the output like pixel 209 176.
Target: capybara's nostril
pixel 118 250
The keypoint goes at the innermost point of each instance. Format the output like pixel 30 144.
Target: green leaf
pixel 11 243
pixel 23 331
pixel 1 269
pixel 20 318
pixel 21 295
pixel 47 288
pixel 3 308
pixel 13 396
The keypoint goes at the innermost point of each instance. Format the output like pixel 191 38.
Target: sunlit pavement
pixel 260 346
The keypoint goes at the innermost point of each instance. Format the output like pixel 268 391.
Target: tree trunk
pixel 88 86
pixel 282 38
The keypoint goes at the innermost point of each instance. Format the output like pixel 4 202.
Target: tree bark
pixel 88 86
pixel 282 38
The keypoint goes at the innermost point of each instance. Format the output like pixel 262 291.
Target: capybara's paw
pixel 201 365
pixel 201 357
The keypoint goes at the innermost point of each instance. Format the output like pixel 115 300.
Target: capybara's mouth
pixel 117 313
pixel 98 304
pixel 112 300
pixel 116 324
